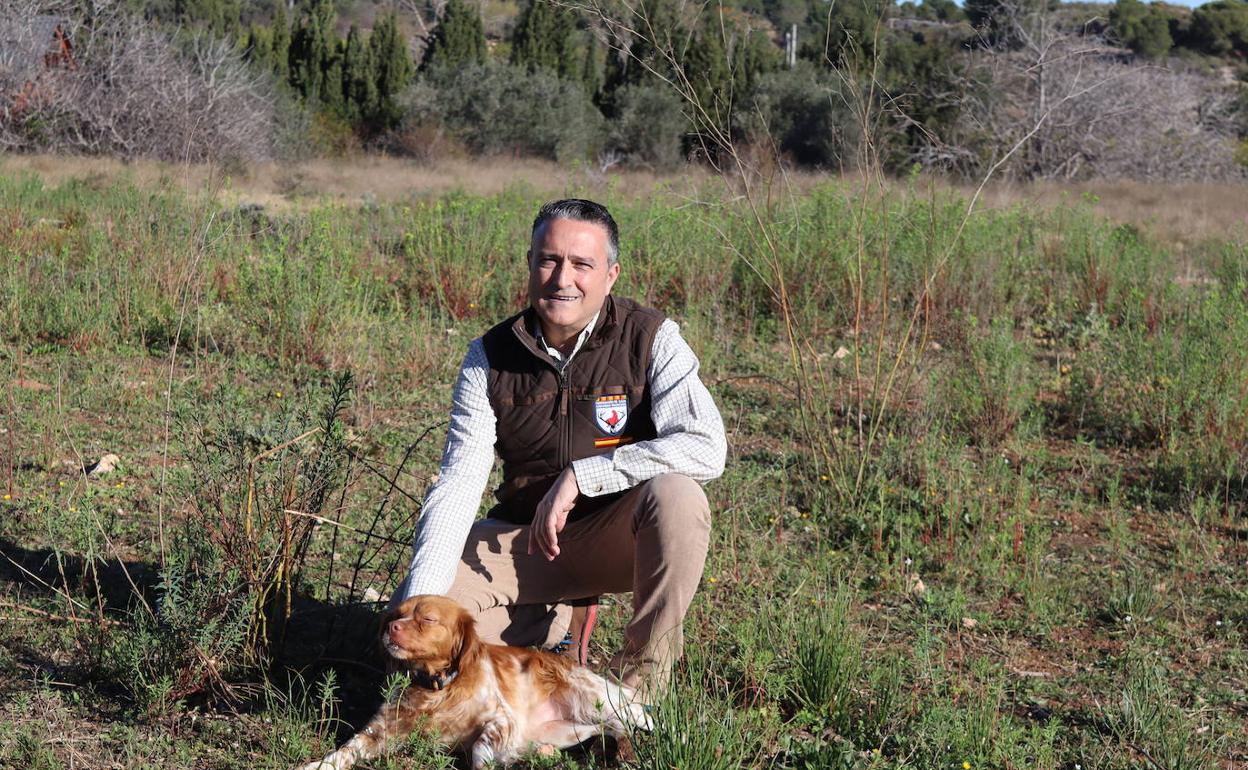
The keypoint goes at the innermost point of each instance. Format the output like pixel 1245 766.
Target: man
pixel 594 405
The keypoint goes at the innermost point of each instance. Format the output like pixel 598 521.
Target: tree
pixel 359 80
pixel 1143 29
pixel 707 71
pixel 392 70
pixel 1221 28
pixel 543 39
pixel 459 39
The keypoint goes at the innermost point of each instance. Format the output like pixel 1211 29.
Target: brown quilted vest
pixel 547 418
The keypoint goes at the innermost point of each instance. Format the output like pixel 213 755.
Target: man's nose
pixel 563 274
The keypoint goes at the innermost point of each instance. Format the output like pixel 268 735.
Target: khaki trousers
pixel 652 541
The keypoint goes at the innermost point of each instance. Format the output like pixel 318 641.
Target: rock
pixel 371 595
pixel 840 353
pixel 106 464
pixel 969 623
pixel 917 588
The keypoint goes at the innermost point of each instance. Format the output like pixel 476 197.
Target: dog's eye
pixel 429 620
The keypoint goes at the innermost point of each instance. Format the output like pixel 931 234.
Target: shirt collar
pixel 580 340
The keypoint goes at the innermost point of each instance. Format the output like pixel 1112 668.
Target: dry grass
pixel 1183 215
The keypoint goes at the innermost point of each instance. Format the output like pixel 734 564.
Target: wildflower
pixel 72 509
pixel 8 497
pixel 277 394
pixel 823 477
pixel 712 580
pixel 60 483
pixel 119 485
pixel 966 766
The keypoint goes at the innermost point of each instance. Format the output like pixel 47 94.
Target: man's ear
pixel 613 272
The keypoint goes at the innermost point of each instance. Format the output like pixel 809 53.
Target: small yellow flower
pixel 119 485
pixel 8 497
pixel 277 394
pixel 712 580
pixel 72 509
pixel 823 478
pixel 966 766
pixel 875 751
pixel 60 483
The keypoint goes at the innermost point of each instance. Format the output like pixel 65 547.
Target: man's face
pixel 569 278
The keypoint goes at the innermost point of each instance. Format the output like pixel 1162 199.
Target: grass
pixel 1027 551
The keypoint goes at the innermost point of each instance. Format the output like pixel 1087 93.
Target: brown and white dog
pixel 492 702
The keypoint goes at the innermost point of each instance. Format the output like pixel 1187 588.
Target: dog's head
pixel 429 633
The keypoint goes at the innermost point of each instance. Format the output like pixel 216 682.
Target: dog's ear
pixel 468 644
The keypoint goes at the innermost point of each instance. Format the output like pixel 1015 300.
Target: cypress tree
pixel 459 38
pixel 258 47
pixel 706 68
pixel 591 72
pixel 305 57
pixel 359 79
pixel 543 39
pixel 392 69
pixel 280 46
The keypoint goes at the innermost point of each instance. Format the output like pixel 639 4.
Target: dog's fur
pixel 501 701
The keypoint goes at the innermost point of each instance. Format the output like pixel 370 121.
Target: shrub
pixel 131 92
pixel 803 115
pixel 989 392
pixel 497 107
pixel 648 125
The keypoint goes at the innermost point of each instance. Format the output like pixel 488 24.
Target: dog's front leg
pixel 494 743
pixel 388 724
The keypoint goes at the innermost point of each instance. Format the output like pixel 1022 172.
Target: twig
pixel 51 615
pixel 323 520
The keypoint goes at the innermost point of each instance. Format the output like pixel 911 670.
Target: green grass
pixel 1056 448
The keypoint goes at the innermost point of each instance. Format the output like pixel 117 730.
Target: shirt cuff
pixel 596 476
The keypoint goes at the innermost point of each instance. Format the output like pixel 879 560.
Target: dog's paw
pixel 327 763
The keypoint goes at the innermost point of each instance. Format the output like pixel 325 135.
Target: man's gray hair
pixel 581 210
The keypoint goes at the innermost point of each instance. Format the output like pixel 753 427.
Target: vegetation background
pixel 985 504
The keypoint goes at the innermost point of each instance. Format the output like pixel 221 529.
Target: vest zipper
pixel 565 434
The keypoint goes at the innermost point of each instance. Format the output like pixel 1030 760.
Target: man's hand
pixel 552 514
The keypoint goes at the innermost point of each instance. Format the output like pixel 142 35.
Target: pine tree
pixel 392 70
pixel 459 38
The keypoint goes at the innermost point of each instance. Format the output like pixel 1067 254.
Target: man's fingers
pixel 551 537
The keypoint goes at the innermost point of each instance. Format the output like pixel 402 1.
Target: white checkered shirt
pixel 690 441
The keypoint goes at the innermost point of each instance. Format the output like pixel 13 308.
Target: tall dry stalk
pixel 879 374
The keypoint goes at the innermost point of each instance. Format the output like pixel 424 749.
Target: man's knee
pixel 674 498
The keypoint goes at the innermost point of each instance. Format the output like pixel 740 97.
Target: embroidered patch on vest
pixel 611 412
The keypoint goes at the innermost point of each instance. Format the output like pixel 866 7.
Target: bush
pixel 130 91
pixel 989 392
pixel 803 115
pixel 500 108
pixel 648 125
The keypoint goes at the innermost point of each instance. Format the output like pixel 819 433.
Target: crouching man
pixel 594 405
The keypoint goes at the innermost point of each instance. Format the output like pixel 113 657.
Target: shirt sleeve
pixel 690 431
pixel 452 502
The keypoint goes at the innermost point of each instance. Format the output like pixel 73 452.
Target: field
pixel 984 508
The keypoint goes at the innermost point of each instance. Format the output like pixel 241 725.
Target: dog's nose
pixel 394 627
